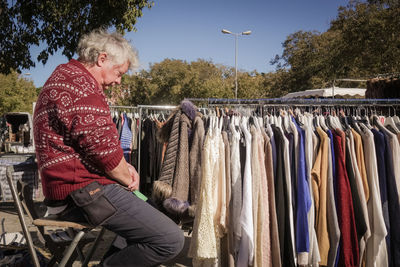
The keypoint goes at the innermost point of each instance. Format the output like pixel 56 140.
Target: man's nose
pixel 118 80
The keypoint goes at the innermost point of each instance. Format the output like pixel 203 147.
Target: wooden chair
pixel 64 245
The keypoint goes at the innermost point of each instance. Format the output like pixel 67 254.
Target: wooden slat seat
pixel 63 224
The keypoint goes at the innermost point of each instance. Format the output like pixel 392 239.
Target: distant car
pixel 16 133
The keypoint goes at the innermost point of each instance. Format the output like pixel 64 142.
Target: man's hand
pixel 134 185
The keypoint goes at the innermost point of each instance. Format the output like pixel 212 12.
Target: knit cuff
pixel 111 161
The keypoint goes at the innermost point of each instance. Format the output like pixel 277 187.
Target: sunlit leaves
pixel 57 24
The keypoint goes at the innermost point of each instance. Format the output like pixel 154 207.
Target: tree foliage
pixel 57 24
pixel 172 80
pixel 16 93
pixel 362 41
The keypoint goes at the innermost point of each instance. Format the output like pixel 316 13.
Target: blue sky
pixel 191 29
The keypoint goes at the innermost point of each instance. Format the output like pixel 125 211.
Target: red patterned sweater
pixel 76 140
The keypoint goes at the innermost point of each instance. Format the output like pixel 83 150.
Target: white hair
pixel 99 41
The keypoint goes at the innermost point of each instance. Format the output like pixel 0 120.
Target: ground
pixel 10 224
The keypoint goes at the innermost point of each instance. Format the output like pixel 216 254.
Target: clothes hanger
pixel 366 118
pixel 328 120
pixel 395 117
pixel 321 121
pixel 389 121
pixel 335 120
pixel 343 120
pixel 353 122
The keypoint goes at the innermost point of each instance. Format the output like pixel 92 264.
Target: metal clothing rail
pixel 296 101
pixel 123 107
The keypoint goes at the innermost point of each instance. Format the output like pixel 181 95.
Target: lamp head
pixel 246 33
pixel 226 31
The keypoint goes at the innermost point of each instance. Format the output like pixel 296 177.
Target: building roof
pixel 327 93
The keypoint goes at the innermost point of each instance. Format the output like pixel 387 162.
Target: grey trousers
pixel 151 237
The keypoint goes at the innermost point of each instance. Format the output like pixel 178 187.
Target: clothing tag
pixel 140 195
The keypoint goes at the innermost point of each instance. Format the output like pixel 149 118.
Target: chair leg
pixel 28 237
pixel 71 233
pixel 93 248
pixel 71 248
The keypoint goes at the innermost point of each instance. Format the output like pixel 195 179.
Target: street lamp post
pixel 236 51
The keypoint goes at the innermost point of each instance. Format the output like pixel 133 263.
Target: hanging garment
pixel 376 254
pixel 203 245
pixel 195 160
pixel 303 200
pixel 227 242
pixel 126 138
pixel 349 253
pixel 147 156
pixel 282 202
pixel 270 133
pixel 333 222
pixel 220 192
pixel 394 149
pixel 313 256
pixel 135 141
pixel 291 167
pixel 257 201
pixel 265 232
pixel 359 150
pixel 246 251
pixel 319 175
pixel 380 147
pixel 236 180
pixel 162 187
pixel 359 218
pixel 394 208
pixel 361 193
pixel 180 185
pixel 289 190
pixel 274 234
pixel 171 190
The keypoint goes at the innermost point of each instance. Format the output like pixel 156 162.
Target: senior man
pixel 77 144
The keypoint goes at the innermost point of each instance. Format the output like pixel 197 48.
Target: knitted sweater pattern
pixel 75 138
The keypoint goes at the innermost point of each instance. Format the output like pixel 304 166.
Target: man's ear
pixel 101 59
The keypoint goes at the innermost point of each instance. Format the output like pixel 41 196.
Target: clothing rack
pixel 147 107
pixel 263 103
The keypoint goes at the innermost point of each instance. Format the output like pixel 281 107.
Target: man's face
pixel 111 74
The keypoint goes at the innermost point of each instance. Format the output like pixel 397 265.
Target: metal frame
pixel 296 101
pixel 9 171
pixel 71 246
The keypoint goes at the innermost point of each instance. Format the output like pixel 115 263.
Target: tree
pixel 370 32
pixel 362 41
pixel 57 24
pixel 16 94
pixel 172 80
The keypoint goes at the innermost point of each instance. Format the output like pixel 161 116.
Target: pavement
pixel 10 225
